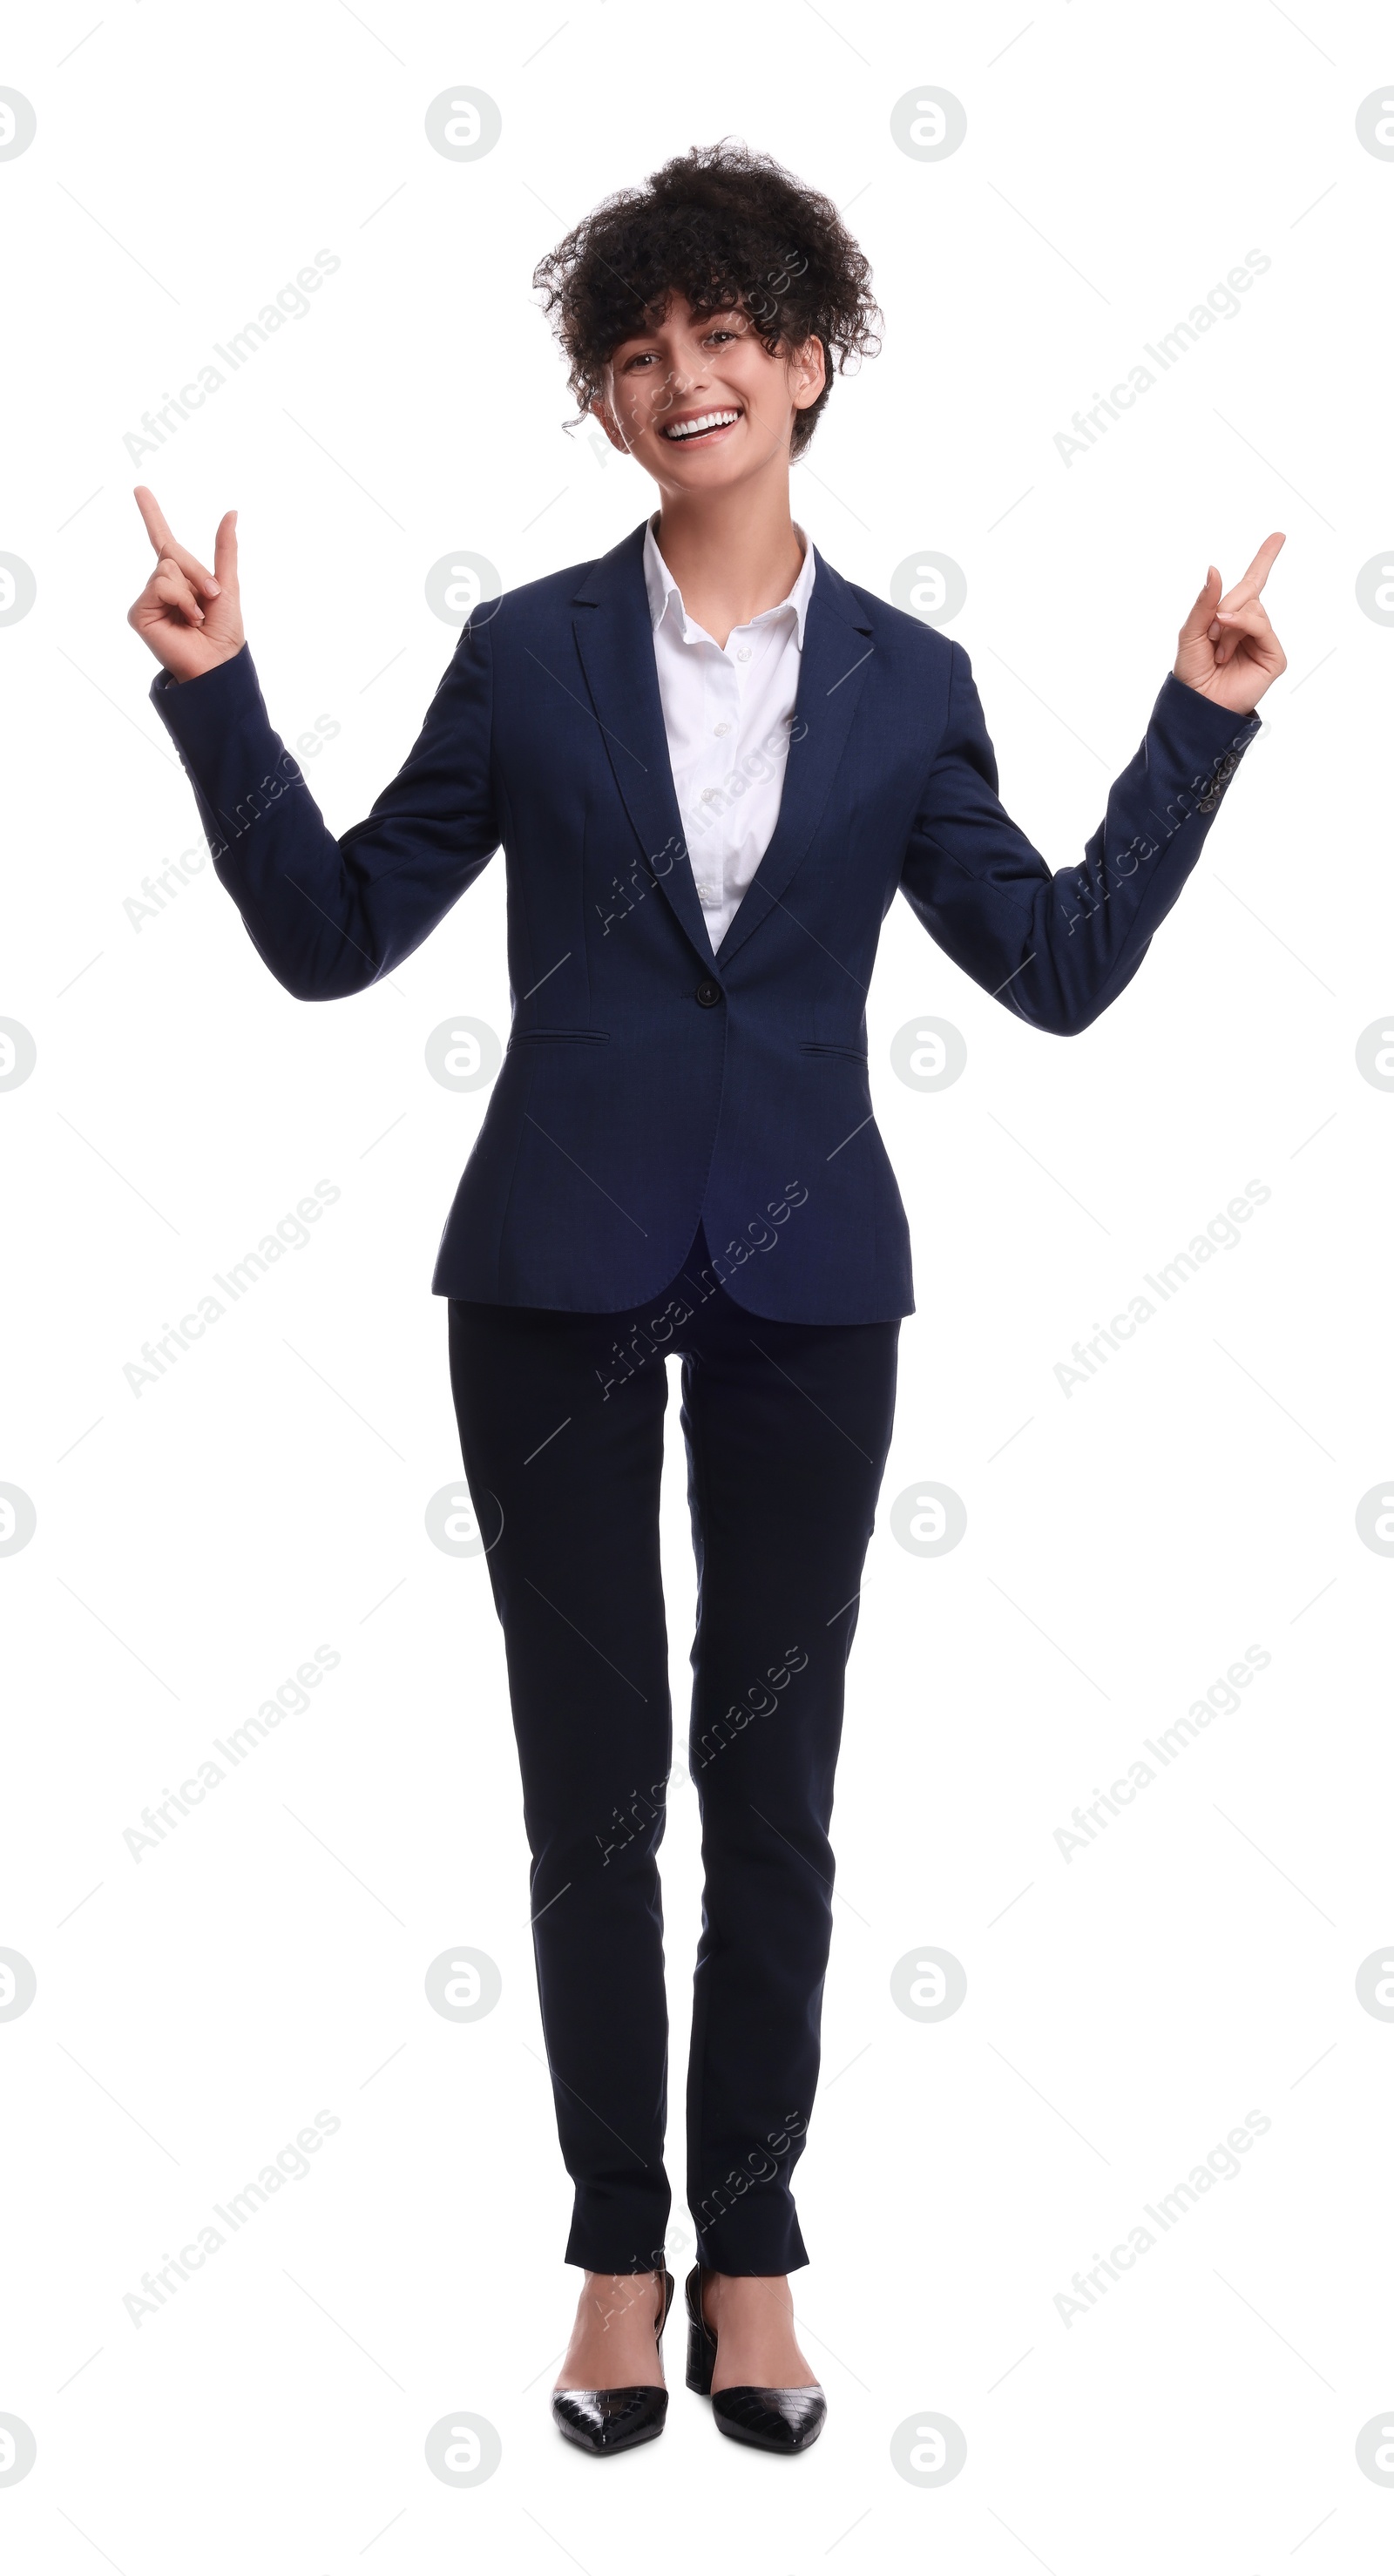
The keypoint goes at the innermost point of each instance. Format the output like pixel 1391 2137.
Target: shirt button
pixel 721 728
pixel 708 993
pixel 744 653
pixel 709 795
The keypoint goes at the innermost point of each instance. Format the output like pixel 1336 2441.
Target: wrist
pixel 181 678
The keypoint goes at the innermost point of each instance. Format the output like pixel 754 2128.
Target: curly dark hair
pixel 729 229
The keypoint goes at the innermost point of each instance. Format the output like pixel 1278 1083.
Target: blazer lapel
pixel 837 649
pixel 614 638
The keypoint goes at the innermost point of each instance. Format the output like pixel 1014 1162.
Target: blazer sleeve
pixel 1058 948
pixel 331 916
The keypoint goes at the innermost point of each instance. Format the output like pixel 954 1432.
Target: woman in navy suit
pixel 711 763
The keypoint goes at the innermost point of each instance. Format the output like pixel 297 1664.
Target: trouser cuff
pixel 757 2233
pixel 613 2235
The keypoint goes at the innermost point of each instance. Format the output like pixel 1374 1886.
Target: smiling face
pixel 698 401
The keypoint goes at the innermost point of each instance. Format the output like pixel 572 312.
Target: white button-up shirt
pixel 726 711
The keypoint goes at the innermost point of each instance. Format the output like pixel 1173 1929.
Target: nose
pixel 679 383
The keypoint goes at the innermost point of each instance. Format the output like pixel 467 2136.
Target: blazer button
pixel 708 993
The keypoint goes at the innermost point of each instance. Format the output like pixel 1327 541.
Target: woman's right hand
pixel 190 618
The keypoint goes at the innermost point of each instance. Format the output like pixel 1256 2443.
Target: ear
pixel 602 412
pixel 808 369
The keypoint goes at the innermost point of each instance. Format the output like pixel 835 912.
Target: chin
pixel 713 469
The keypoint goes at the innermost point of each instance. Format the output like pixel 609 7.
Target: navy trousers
pixel 787 1428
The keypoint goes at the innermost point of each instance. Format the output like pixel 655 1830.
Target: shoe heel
pixel 701 2360
pixel 701 2342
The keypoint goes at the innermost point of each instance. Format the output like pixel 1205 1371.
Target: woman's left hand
pixel 1227 649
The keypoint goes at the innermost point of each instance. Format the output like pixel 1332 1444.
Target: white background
pixel 1125 1544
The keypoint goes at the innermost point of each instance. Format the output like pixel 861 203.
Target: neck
pixel 732 554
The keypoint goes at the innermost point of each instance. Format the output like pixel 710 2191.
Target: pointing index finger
pixel 165 544
pixel 156 525
pixel 1251 582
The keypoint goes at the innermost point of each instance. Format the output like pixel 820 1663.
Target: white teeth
pixel 691 428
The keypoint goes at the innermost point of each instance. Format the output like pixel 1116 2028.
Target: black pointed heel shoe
pixel 769 2419
pixel 605 2420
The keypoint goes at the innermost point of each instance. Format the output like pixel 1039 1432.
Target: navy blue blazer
pixel 647 1083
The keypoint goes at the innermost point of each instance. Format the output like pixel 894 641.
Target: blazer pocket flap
pixel 550 1037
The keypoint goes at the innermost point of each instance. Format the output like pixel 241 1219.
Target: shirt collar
pixel 663 590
